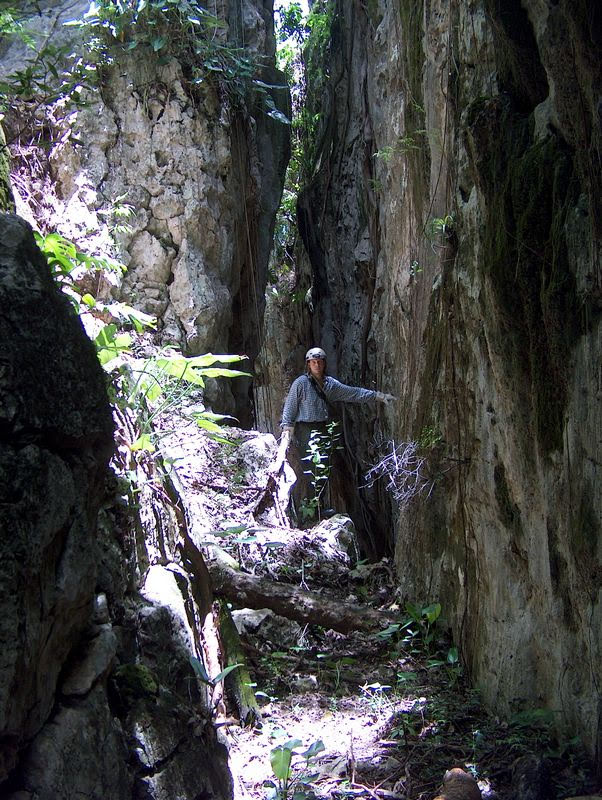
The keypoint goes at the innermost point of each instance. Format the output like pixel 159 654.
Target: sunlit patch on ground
pixel 391 707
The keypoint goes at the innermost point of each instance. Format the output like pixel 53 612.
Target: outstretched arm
pixel 336 391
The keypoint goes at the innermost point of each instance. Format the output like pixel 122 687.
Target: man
pixel 308 415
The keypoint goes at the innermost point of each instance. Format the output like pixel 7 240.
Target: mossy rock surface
pixel 530 187
pixel 131 683
pixel 7 202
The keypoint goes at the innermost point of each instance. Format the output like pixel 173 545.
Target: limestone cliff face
pixel 453 227
pixel 56 443
pixel 7 202
pixel 200 165
pixel 98 696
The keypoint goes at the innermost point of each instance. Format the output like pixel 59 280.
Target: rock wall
pixel 56 442
pixel 286 338
pixel 201 165
pixel 98 696
pixel 453 226
pixel 7 202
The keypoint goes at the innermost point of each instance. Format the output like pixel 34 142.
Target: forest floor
pixel 378 715
pixel 391 711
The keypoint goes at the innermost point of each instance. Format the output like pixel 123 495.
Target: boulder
pixel 57 437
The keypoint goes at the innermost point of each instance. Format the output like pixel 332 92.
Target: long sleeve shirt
pixel 304 404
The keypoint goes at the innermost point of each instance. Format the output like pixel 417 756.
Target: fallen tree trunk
pixel 248 591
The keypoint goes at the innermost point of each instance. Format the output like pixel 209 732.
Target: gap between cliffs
pixel 329 683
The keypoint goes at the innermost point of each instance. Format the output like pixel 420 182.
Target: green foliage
pixel 321 448
pixel 201 672
pixel 377 697
pixel 317 71
pixel 117 215
pixel 166 29
pixel 440 227
pixel 450 662
pixel 293 778
pixel 153 386
pixel 159 25
pixel 68 267
pixel 423 619
pixel 53 73
pixel 184 30
pixel 302 54
pixel 419 630
pixel 319 22
pixel 68 264
pixel 402 146
pixel 11 25
pixel 143 388
pixel 430 436
pixel 291 23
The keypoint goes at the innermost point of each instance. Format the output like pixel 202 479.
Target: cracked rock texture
pixel 453 228
pixel 201 167
pixel 57 437
pixel 98 697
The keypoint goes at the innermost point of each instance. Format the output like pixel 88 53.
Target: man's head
pixel 315 362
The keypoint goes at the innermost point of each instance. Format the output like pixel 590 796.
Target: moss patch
pixel 411 16
pixel 529 188
pixel 7 202
pixel 131 683
pixel 520 71
pixel 509 511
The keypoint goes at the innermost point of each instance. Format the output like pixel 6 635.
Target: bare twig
pixel 403 469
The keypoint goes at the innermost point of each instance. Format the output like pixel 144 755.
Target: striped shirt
pixel 304 404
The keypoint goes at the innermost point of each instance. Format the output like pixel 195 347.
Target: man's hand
pixel 287 434
pixel 386 399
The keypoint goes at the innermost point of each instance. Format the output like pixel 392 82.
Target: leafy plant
pixel 143 388
pixel 155 385
pixel 181 29
pixel 451 664
pixel 187 31
pixel 440 227
pixel 401 146
pixel 321 446
pixel 419 629
pixel 155 24
pixel 291 23
pixel 55 73
pixel 68 265
pixel 293 779
pixel 302 53
pixel 377 696
pixel 118 214
pixel 201 672
pixel 422 623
